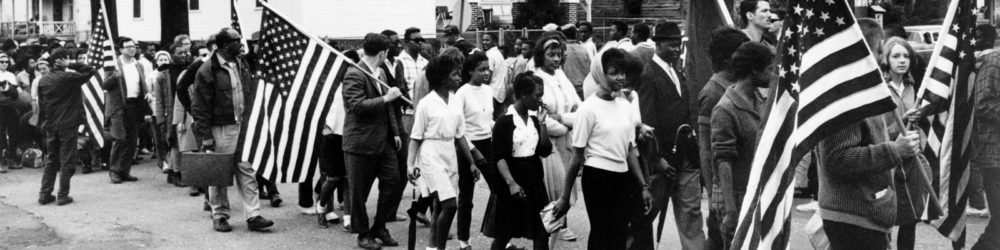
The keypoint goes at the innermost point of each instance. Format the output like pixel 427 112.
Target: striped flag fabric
pixel 828 79
pixel 100 55
pixel 234 10
pixel 946 100
pixel 298 76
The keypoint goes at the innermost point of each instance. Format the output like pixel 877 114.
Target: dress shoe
pixel 321 220
pixel 115 177
pixel 46 199
pixel 258 223
pixel 263 195
pixel 170 178
pixel 275 200
pixel 368 243
pixel 63 200
pixel 177 179
pixel 386 239
pixel 221 225
pixel 87 170
pixel 194 191
pixel 128 177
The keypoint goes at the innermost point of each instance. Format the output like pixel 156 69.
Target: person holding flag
pixel 223 87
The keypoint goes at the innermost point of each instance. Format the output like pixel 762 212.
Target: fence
pixel 24 30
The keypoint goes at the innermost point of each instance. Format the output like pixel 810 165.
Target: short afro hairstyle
pixel 724 42
pixel 375 43
pixel 439 70
pixel 471 63
pixel 527 83
pixel 641 32
pixel 620 26
pixel 749 58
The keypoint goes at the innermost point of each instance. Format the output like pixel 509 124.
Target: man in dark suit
pixel 126 106
pixel 663 104
pixel 371 138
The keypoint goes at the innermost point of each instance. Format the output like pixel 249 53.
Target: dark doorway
pixel 57 10
pixel 173 20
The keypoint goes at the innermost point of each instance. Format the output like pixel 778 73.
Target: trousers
pixel 123 150
pixel 990 239
pixel 226 138
pixel 845 236
pixel 686 195
pixel 362 170
pixel 609 218
pixel 59 159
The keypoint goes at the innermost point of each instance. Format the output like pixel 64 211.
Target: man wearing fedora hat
pixel 663 104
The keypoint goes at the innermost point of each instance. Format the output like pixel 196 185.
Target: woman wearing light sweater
pixel 605 148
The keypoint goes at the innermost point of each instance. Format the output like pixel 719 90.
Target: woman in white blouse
pixel 438 126
pixel 561 99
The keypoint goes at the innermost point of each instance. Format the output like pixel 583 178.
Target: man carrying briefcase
pixel 222 88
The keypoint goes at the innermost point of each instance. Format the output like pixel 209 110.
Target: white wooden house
pixel 323 18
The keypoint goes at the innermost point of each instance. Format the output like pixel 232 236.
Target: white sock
pixel 431 248
pixel 509 245
pixel 463 243
pixel 347 220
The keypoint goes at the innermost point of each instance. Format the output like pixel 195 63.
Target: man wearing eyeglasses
pixel 127 106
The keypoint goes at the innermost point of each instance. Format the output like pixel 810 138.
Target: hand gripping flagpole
pixel 327 46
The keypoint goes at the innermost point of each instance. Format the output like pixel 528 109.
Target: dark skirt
pixel 509 217
pixel 331 161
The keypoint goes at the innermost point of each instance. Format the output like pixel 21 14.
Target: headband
pixel 550 42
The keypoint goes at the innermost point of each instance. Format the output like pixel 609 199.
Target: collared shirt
pixel 234 79
pixel 670 72
pixel 130 72
pixel 392 66
pixel 412 68
pixel 499 67
pixel 374 73
pixel 590 47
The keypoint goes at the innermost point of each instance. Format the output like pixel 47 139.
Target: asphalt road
pixel 152 214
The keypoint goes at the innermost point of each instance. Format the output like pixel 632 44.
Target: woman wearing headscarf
pixel 561 101
pixel 605 148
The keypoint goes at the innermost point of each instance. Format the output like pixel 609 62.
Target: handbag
pixel 202 169
pixel 549 219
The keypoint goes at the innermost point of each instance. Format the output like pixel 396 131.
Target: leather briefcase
pixel 207 169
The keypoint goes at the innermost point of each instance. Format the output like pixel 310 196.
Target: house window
pixel 137 9
pixel 194 5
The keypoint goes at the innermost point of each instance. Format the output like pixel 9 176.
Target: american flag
pixel 828 79
pixel 299 75
pixel 234 11
pixel 100 55
pixel 946 98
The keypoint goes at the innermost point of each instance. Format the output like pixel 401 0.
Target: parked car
pixel 923 38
